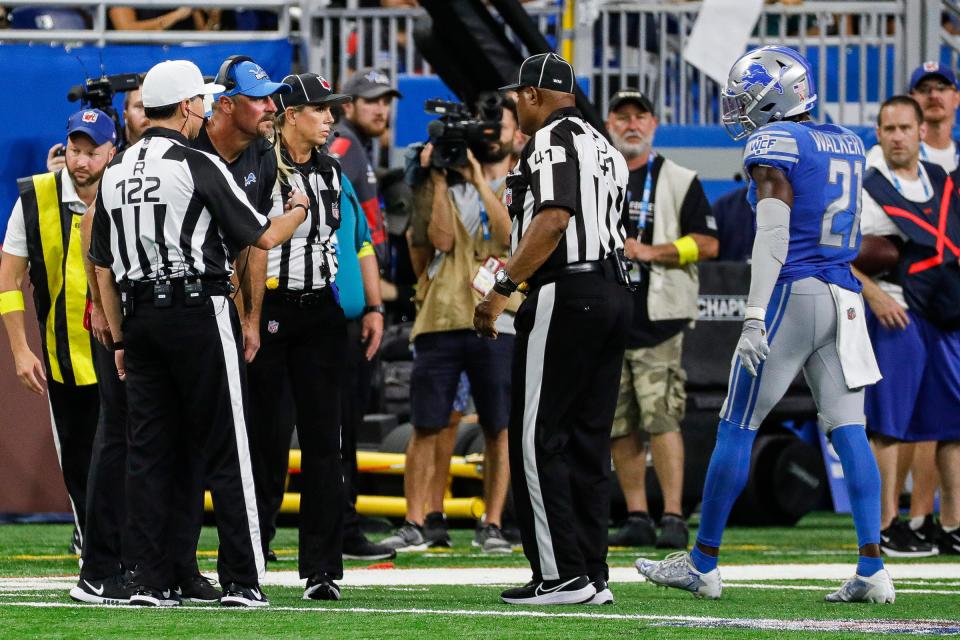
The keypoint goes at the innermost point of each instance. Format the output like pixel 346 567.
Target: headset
pixel 223 75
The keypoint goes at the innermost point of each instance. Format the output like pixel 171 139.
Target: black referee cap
pixel 309 88
pixel 545 71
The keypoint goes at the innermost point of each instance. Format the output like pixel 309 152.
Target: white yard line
pixel 516 575
pixel 940 627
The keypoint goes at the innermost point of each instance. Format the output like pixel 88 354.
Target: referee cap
pixel 171 81
pixel 544 71
pixel 309 88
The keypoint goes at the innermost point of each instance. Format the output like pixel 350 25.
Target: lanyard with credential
pixel 645 199
pixel 896 183
pixel 956 154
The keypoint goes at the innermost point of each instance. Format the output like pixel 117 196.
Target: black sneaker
pixel 570 591
pixel 637 531
pixel 949 542
pixel 321 587
pixel 360 548
pixel 112 590
pixel 237 595
pixel 435 530
pixel 929 531
pixel 200 588
pixel 673 532
pixel 76 547
pixel 603 595
pixel 899 541
pixel 271 555
pixel 149 597
pixel 408 537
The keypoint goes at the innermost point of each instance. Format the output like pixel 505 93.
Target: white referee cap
pixel 171 81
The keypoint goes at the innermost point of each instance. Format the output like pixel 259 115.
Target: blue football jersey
pixel 825 164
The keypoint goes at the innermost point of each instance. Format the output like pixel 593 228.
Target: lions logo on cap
pixel 324 83
pixel 89 116
pixel 258 72
pixel 377 77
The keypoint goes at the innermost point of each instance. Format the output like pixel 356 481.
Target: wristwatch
pixel 374 308
pixel 503 284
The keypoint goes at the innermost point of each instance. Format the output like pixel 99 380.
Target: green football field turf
pixel 780 607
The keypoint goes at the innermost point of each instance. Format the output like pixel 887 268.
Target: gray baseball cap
pixel 370 84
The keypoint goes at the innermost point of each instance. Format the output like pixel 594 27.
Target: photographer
pixel 468 227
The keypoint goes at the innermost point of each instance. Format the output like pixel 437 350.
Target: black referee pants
pixel 305 349
pixel 73 413
pixel 566 373
pixel 106 485
pixel 186 389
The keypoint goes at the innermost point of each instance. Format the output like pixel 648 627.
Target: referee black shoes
pixel 321 587
pixel 604 595
pixel 199 588
pixel 237 595
pixel 149 597
pixel 578 590
pixel 112 590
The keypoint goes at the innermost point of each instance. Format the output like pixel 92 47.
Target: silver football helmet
pixel 766 85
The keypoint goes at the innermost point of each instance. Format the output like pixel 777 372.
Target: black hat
pixel 370 84
pixel 631 95
pixel 309 88
pixel 545 71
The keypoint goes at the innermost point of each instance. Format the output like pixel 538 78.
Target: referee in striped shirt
pixel 565 197
pixel 169 220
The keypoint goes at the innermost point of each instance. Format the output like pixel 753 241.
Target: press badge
pixel 486 274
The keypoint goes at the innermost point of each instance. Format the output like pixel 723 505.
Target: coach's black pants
pixel 73 412
pixel 186 387
pixel 106 499
pixel 566 373
pixel 303 348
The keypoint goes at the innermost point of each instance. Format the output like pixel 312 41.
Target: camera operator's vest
pixel 927 270
pixel 58 278
pixel 446 301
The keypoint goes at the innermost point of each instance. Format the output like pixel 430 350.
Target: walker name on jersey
pixel 722 307
pixel 845 143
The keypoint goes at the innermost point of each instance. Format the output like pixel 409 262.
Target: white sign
pixel 720 35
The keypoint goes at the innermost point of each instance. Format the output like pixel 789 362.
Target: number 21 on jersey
pixel 841 219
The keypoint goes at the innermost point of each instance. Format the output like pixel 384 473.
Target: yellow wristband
pixel 365 250
pixel 11 301
pixel 688 250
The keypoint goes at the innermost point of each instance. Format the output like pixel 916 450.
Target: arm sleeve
pixel 696 216
pixel 773 146
pixel 769 250
pixel 100 253
pixel 225 200
pixel 554 169
pixel 15 242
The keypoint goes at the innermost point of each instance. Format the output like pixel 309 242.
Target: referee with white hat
pixel 169 221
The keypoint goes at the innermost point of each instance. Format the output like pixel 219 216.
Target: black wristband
pixel 118 346
pixel 374 308
pixel 504 289
pixel 306 211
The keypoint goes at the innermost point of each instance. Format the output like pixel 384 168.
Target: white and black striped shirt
pixel 568 164
pixel 166 210
pixel 308 260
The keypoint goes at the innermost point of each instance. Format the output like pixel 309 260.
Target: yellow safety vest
pixel 58 278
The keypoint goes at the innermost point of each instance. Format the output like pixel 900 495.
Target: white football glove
pixel 753 347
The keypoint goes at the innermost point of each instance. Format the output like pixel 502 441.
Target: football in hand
pixel 878 254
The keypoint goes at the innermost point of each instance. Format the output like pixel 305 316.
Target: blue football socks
pixel 862 477
pixel 726 477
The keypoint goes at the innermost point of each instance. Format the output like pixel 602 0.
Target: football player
pixel 804 312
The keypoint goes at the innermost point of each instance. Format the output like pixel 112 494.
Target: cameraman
pixel 467 226
pixel 135 122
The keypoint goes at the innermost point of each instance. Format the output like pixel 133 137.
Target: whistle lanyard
pixel 927 192
pixel 645 198
pixel 956 154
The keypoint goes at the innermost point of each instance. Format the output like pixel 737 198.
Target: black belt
pixel 301 299
pixel 551 275
pixel 145 289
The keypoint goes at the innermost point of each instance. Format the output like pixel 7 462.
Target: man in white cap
pixel 169 222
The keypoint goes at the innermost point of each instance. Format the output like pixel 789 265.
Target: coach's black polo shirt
pixel 255 170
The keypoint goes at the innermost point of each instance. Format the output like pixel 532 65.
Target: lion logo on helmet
pixel 757 74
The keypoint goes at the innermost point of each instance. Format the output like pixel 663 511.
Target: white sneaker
pixel 677 571
pixel 604 595
pixel 877 588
